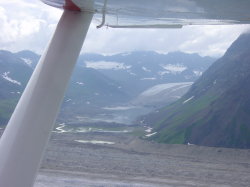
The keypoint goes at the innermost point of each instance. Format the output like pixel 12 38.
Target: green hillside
pixel 216 110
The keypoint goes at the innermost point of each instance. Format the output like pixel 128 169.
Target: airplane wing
pixel 162 13
pixel 26 135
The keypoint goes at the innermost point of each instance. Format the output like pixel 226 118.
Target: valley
pixel 109 155
pixel 104 86
pixel 111 127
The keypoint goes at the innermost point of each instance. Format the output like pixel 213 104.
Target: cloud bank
pixel 29 24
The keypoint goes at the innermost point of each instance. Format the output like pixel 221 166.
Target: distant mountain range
pixel 216 109
pixel 140 70
pixel 100 82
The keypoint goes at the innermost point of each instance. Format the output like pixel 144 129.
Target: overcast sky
pixel 29 24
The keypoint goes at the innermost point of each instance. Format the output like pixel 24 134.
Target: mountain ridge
pixel 214 112
pixel 101 81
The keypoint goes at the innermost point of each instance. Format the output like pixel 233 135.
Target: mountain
pixel 215 111
pixel 139 70
pixel 102 83
pixel 88 92
pixel 28 57
pixel 14 74
pixel 88 88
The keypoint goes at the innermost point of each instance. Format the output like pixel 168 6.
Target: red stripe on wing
pixel 69 5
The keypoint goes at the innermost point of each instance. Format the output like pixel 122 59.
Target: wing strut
pixel 103 15
pixel 27 133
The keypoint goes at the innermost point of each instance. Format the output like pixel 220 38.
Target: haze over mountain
pixel 139 70
pixel 215 111
pixel 104 84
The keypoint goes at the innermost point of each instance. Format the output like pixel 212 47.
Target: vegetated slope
pixel 216 110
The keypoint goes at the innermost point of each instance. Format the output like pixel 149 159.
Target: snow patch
pixel 149 129
pixel 15 92
pixel 174 68
pixel 80 83
pixel 146 69
pixel 6 77
pixel 197 73
pixel 148 135
pixel 27 61
pixel 148 78
pixel 95 142
pixel 188 100
pixel 106 65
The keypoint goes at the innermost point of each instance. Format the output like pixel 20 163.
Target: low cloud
pixel 26 25
pixel 205 40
